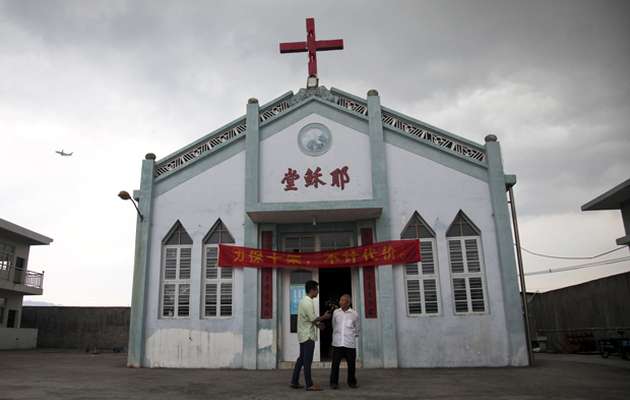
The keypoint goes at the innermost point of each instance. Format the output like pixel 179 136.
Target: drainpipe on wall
pixel 519 258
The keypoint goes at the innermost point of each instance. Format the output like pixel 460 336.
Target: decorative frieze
pixel 437 139
pixel 285 104
pixel 190 154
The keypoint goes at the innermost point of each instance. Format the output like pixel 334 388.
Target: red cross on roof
pixel 311 46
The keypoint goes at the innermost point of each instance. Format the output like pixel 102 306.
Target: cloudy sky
pixel 113 80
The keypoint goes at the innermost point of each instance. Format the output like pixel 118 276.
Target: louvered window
pixel 176 266
pixel 217 285
pixel 421 279
pixel 466 265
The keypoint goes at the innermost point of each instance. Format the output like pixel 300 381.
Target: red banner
pixel 383 253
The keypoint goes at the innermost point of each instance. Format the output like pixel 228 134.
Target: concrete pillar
pixel 380 190
pixel 250 275
pixel 267 353
pixel 135 355
pixel 515 325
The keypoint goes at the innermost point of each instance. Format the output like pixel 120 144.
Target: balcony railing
pixel 34 279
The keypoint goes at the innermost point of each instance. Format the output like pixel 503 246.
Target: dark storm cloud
pixel 574 52
pixel 549 78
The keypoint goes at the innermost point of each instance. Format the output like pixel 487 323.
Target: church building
pixel 313 171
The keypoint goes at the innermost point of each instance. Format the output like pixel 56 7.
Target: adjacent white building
pixel 317 170
pixel 17 281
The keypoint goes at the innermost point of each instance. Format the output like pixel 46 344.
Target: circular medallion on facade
pixel 314 139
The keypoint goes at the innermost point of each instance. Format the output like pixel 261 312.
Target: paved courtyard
pixel 69 375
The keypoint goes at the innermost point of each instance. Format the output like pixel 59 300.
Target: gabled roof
pixel 25 235
pixel 392 120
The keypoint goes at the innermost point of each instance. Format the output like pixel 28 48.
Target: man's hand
pixel 327 315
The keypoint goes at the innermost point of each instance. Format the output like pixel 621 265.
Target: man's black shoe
pixel 354 386
pixel 296 386
pixel 334 386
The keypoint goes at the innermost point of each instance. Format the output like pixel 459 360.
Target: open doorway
pixel 333 283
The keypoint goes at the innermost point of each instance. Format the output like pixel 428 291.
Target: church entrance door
pixel 333 283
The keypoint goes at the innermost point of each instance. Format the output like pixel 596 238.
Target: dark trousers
pixel 304 360
pixel 351 359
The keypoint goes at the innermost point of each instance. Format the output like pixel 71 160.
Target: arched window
pixel 176 256
pixel 466 263
pixel 421 279
pixel 217 282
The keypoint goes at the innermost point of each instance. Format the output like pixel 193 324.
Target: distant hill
pixel 37 303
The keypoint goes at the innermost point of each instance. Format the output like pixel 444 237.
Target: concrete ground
pixel 68 375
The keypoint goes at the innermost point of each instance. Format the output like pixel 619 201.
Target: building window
pixel 176 263
pixel 12 319
pixel 421 279
pixel 466 264
pixel 217 282
pixel 6 257
pixel 3 304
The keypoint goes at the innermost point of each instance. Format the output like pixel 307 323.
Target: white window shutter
pixel 170 263
pixel 411 269
pixel 210 301
pixel 414 298
pixel 217 285
pixel 472 255
pixel 430 296
pixel 426 251
pixel 168 301
pixel 211 262
pixel 183 300
pixel 184 262
pixel 476 294
pixel 455 256
pixel 460 295
pixel 176 272
pixel 226 273
pixel 421 282
pixel 226 299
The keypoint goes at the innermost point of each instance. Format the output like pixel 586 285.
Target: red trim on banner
pixel 369 279
pixel 382 253
pixel 266 280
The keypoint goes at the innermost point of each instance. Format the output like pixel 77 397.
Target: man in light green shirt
pixel 306 328
pixel 307 325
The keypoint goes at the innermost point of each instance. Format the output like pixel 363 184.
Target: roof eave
pixel 30 237
pixel 610 200
pixel 623 241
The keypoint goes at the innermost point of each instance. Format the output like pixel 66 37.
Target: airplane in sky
pixel 61 153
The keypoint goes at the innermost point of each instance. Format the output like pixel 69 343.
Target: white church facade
pixel 319 170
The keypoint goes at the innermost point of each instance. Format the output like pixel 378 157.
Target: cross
pixel 311 46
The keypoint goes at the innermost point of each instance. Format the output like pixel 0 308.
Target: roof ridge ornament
pixel 319 91
pixel 311 46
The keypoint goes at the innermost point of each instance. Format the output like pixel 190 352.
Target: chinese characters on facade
pixel 312 178
pixel 383 253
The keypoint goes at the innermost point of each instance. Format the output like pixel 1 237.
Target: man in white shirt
pixel 346 326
